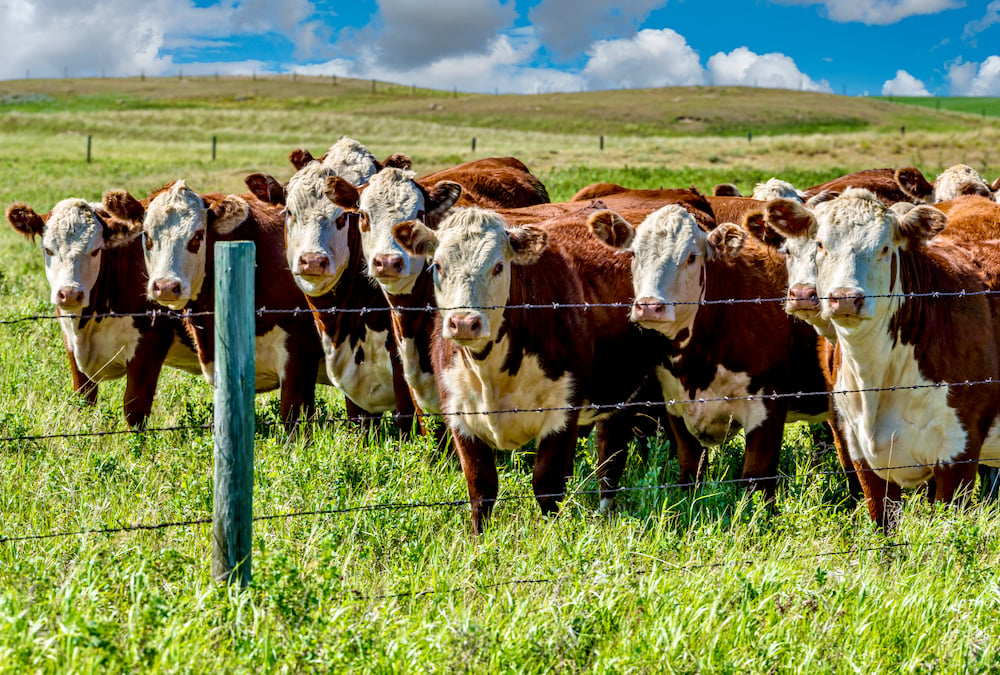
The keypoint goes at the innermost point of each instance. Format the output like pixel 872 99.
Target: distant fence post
pixel 473 143
pixel 602 142
pixel 232 517
pixel 214 139
pixel 89 138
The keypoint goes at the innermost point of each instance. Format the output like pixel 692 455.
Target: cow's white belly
pixel 102 349
pixel 707 415
pixel 368 383
pixel 422 384
pixel 485 402
pixel 271 359
pixel 182 357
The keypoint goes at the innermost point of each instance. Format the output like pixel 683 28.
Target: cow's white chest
pixel 102 349
pixel 900 428
pixel 182 357
pixel 271 359
pixel 708 415
pixel 421 383
pixel 365 377
pixel 485 402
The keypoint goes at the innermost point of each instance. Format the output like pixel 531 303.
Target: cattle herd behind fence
pixel 868 302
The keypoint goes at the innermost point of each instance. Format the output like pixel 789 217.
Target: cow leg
pixel 612 455
pixel 553 463
pixel 955 481
pixel 763 448
pixel 840 444
pixel 298 382
pixel 359 416
pixel 882 498
pixel 480 469
pixel 404 415
pixel 692 457
pixel 82 384
pixel 141 376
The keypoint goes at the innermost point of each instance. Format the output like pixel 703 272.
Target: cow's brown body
pixel 882 182
pixel 492 183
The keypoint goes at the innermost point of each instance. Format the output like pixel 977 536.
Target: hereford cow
pixel 180 229
pixel 721 360
pixel 350 160
pixel 323 251
pixel 882 182
pixel 94 266
pixel 509 374
pixel 951 183
pixel 904 409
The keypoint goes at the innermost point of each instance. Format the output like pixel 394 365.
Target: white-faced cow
pixel 94 266
pixel 905 410
pixel 953 182
pixel 350 160
pixel 180 229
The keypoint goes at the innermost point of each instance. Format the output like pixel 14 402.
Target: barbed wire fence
pixel 456 503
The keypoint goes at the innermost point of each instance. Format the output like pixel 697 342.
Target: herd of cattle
pixel 648 295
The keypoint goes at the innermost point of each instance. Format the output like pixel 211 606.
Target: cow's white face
pixel 316 235
pixel 775 188
pixel 72 242
pixel 800 261
pixel 958 180
pixel 352 161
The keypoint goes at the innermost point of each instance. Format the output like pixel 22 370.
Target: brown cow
pixel 94 266
pixel 882 182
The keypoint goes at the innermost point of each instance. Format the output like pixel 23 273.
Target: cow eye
pixel 691 258
pixel 885 251
pixel 435 267
pixel 498 269
pixel 363 221
pixel 48 252
pixel 95 252
pixel 196 240
pixel 819 246
pixel 148 241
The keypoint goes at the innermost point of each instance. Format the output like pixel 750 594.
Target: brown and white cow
pixel 323 251
pixel 882 182
pixel 94 266
pixel 904 409
pixel 953 182
pixel 722 360
pixel 350 160
pixel 508 374
pixel 180 229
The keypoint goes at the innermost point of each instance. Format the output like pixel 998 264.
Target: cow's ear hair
pixel 611 228
pixel 528 242
pixel 117 231
pixel 789 218
pixel 415 238
pixel 919 225
pixel 24 219
pixel 121 205
pixel 995 185
pixel 440 199
pixel 397 160
pixel 341 192
pixel 299 157
pixel 266 188
pixel 820 197
pixel 726 241
pixel 975 188
pixel 726 190
pixel 913 184
pixel 754 223
pixel 228 213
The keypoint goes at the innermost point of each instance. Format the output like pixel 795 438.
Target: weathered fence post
pixel 602 142
pixel 214 139
pixel 473 143
pixel 88 148
pixel 232 518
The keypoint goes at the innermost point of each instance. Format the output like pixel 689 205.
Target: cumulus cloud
pixel 904 84
pixel 653 58
pixel 568 27
pixel 992 16
pixel 878 12
pixel 744 68
pixel 971 79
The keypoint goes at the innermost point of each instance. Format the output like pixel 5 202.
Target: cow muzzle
pixel 387 266
pixel 847 302
pixel 802 298
pixel 651 310
pixel 466 327
pixel 313 265
pixel 166 291
pixel 69 298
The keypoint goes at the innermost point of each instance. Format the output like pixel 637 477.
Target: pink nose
pixel 651 309
pixel 802 297
pixel 314 264
pixel 465 326
pixel 846 301
pixel 387 265
pixel 166 289
pixel 70 297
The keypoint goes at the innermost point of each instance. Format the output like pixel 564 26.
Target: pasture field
pixel 363 564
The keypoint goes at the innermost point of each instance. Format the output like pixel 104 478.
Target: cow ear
pixel 299 157
pixel 117 231
pixel 123 206
pixel 342 192
pixel 611 228
pixel 919 225
pixel 528 242
pixel 266 188
pixel 397 160
pixel 726 190
pixel 995 185
pixel 975 188
pixel 726 241
pixel 790 218
pixel 754 223
pixel 820 197
pixel 228 213
pixel 24 219
pixel 440 198
pixel 415 238
pixel 913 184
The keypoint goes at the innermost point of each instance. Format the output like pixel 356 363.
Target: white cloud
pixel 991 17
pixel 970 79
pixel 878 12
pixel 904 84
pixel 653 58
pixel 571 26
pixel 742 67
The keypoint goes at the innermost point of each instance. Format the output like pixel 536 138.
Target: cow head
pixel 775 188
pixel 960 180
pixel 73 236
pixel 352 161
pixel 790 219
pixel 669 254
pixel 472 251
pixel 176 225
pixel 858 242
pixel 391 197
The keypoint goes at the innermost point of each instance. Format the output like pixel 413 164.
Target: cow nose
pixel 314 264
pixel 465 326
pixel 166 289
pixel 802 297
pixel 846 301
pixel 69 296
pixel 387 265
pixel 651 309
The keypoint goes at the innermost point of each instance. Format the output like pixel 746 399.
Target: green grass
pixel 674 580
pixel 983 107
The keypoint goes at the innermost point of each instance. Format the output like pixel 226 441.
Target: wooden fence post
pixel 214 139
pixel 89 138
pixel 232 518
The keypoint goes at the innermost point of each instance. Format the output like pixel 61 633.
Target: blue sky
pixel 902 47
